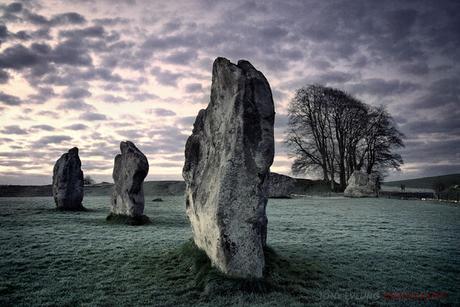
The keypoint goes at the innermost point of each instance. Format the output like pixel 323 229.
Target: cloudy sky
pixel 93 73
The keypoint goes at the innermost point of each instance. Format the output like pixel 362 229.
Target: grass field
pixel 324 251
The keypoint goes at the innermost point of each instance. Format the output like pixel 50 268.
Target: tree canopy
pixel 334 133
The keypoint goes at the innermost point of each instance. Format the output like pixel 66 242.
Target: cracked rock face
pixel 68 181
pixel 227 161
pixel 361 184
pixel 129 171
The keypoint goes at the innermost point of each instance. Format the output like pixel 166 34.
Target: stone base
pixel 281 275
pixel 129 220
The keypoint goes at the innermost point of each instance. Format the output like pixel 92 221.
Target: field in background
pixel 359 249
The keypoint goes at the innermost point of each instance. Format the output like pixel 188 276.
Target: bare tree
pixel 333 132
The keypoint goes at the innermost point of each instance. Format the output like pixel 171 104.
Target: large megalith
pixel 129 171
pixel 227 161
pixel 361 184
pixel 68 181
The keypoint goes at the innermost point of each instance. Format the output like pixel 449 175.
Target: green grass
pixel 323 252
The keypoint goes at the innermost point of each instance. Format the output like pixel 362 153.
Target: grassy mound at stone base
pixel 191 265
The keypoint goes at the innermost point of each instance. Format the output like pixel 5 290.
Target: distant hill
pixel 151 188
pixel 427 182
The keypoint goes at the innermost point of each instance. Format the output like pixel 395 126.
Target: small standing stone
pixel 361 184
pixel 68 181
pixel 129 171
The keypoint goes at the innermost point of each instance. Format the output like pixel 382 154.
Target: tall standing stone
pixel 227 160
pixel 68 181
pixel 129 171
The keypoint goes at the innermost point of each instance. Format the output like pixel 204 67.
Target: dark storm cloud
pixel 52 139
pixel 170 42
pixel 186 122
pixel 76 93
pixel 193 87
pixel 9 99
pixel 48 114
pixel 43 127
pixel 13 129
pixel 328 78
pixel 14 7
pixel 39 54
pixel 43 95
pixel 165 77
pixel 4 76
pixel 448 124
pixel 380 87
pixel 432 151
pixel 93 31
pixel 181 57
pixel 71 52
pixel 111 21
pixel 77 127
pixel 281 121
pixel 163 112
pixel 3 32
pixel 76 105
pixel 438 169
pixel 167 164
pixel 113 99
pixel 133 134
pixel 143 96
pixel 416 68
pixel 175 157
pixel 93 116
pixel 440 93
pixel 36 19
pixel 18 57
pixel 70 18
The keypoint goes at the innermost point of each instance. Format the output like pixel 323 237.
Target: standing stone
pixel 227 161
pixel 280 186
pixel 68 181
pixel 361 184
pixel 129 171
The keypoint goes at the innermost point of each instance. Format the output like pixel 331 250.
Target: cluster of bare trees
pixel 335 133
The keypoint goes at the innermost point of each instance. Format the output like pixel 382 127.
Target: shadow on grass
pixel 189 268
pixel 129 220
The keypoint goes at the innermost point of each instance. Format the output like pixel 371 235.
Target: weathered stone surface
pixel 280 186
pixel 68 181
pixel 361 184
pixel 129 171
pixel 227 160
